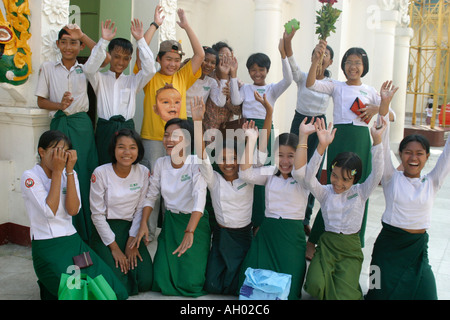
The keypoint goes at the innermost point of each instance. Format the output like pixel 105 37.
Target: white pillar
pixel 400 78
pixel 268 29
pixel 383 61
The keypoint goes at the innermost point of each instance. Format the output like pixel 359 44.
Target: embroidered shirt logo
pixel 185 177
pixel 363 92
pixel 93 178
pixel 29 183
pixel 261 91
pixel 64 190
pixel 206 88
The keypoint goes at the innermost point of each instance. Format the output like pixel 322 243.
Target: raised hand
pixel 377 130
pixel 74 31
pixel 183 23
pixel 197 108
pixel 326 136
pixel 159 17
pixel 250 130
pixel 108 30
pixel 137 29
pixel 306 129
pixel 319 51
pixel 388 91
pixel 263 100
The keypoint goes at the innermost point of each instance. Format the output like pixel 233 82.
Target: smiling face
pixel 229 165
pixel 258 74
pixel 354 68
pixel 172 140
pixel 120 59
pixel 168 104
pixel 341 180
pixel 413 158
pixel 69 47
pixel 126 151
pixel 285 160
pixel 209 64
pixel 170 63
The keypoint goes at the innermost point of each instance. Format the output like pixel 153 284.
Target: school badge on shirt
pixel 29 183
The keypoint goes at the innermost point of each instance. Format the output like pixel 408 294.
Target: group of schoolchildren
pixel 102 193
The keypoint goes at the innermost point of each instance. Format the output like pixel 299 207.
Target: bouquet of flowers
pixel 325 20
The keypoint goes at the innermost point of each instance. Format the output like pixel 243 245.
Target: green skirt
pixel 52 257
pixel 185 275
pixel 404 271
pixel 349 138
pixel 259 192
pixel 228 250
pixel 104 133
pixel 334 272
pixel 280 246
pixel 141 278
pixel 78 127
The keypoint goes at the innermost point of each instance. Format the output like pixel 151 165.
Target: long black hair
pixel 51 138
pixel 125 132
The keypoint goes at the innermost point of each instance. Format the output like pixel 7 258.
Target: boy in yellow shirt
pixel 170 58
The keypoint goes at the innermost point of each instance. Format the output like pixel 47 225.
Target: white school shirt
pixel 113 197
pixel 183 189
pixel 205 88
pixel 343 97
pixel 232 201
pixel 309 103
pixel 284 198
pixel 409 201
pixel 344 212
pixel 118 96
pixel 44 224
pixel 246 94
pixel 54 80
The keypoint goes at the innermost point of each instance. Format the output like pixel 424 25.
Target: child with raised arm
pixel 116 91
pixel 336 266
pixel 280 242
pixel 169 57
pixel 309 104
pixel 352 130
pixel 62 89
pixel 258 66
pixel 400 253
pixel 232 200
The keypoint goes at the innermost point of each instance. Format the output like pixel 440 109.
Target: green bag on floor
pixel 84 288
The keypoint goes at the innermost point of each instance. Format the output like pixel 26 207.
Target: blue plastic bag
pixel 261 284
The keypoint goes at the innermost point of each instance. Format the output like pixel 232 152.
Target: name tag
pixel 242 186
pixel 363 92
pixel 185 177
pixel 206 88
pixel 64 190
pixel 261 91
pixel 352 196
pixel 134 186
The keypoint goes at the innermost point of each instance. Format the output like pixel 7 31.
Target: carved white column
pixel 168 30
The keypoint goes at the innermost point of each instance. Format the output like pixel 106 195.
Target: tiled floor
pixel 18 280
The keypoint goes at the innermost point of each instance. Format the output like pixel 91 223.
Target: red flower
pixel 330 2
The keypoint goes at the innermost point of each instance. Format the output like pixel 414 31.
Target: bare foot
pixel 310 250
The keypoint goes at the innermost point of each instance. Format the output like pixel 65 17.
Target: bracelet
pixel 305 146
pixel 69 173
pixel 187 231
pixel 155 24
